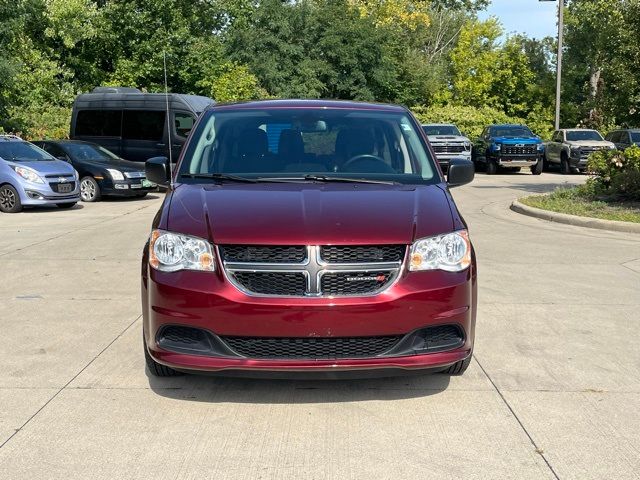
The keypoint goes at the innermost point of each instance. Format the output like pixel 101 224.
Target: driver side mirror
pixel 461 172
pixel 157 170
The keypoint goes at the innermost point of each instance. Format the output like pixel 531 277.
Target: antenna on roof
pixel 166 96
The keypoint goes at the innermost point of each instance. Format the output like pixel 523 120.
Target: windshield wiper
pixel 325 178
pixel 218 176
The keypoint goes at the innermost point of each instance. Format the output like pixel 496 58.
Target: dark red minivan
pixel 308 236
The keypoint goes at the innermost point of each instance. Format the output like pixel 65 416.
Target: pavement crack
pixel 70 381
pixel 539 450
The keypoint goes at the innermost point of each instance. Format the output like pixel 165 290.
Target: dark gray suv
pixel 624 138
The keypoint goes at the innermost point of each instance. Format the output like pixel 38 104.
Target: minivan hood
pixel 47 167
pixel 310 214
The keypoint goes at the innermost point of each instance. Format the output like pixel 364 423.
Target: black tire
pixel 9 199
pixel 89 190
pixel 157 369
pixel 492 167
pixel 565 168
pixel 537 168
pixel 545 163
pixel 458 368
pixel 516 170
pixel 65 205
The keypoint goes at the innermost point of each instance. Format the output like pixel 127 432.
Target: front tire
pixel 90 190
pixel 565 168
pixel 492 166
pixel 537 168
pixel 9 200
pixel 157 369
pixel 460 367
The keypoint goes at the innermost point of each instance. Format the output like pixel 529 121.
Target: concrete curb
pixel 614 225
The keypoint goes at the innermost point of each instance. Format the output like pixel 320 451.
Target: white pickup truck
pixel 447 143
pixel 570 148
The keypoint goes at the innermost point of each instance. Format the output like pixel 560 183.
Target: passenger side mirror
pixel 157 170
pixel 461 172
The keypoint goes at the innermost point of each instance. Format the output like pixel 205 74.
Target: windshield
pixel 441 130
pixel 23 152
pixel 307 144
pixel 577 135
pixel 635 137
pixel 514 132
pixel 86 151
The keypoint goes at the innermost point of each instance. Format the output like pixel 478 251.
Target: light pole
pixel 559 62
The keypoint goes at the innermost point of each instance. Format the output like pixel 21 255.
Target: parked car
pixel 132 124
pixel 447 143
pixel 624 138
pixel 30 176
pixel 101 172
pixel 508 146
pixel 336 248
pixel 570 148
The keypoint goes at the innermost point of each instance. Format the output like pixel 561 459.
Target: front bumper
pixel 125 188
pixel 36 194
pixel 445 158
pixel 208 301
pixel 516 161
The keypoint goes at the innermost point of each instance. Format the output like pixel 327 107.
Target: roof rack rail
pixel 115 90
pixel 7 137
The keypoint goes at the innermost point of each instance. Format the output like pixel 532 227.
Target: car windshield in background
pixel 635 137
pixel 577 135
pixel 441 130
pixel 513 132
pixel 84 151
pixel 22 152
pixel 307 145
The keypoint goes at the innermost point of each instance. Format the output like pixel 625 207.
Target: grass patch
pixel 574 201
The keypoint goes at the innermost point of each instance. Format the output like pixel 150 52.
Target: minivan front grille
pixel 312 348
pixel 312 271
pixel 362 254
pixel 264 254
pixel 272 283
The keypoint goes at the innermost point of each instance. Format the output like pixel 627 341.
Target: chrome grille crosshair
pixel 357 279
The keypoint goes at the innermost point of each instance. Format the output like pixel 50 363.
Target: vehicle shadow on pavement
pixel 116 199
pixel 527 187
pixel 213 389
pixel 49 208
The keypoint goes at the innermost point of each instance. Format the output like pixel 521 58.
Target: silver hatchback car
pixel 29 176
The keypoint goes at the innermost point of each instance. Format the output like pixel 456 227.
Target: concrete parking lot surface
pixel 553 391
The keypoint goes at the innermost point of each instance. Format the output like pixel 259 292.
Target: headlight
pixel 540 146
pixel 170 252
pixel 115 174
pixel 497 146
pixel 467 145
pixel 575 151
pixel 450 252
pixel 28 174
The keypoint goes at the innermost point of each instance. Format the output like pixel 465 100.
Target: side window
pixel 624 138
pixel 183 123
pixel 143 124
pixel 99 123
pixel 55 150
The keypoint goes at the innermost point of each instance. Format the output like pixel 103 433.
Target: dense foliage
pixel 434 56
pixel 615 174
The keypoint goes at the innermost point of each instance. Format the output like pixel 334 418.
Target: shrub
pixel 615 173
pixel 471 120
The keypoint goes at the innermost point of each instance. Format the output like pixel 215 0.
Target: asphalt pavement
pixel 553 391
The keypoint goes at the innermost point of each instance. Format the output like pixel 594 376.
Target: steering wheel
pixel 380 166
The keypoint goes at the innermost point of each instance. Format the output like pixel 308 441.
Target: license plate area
pixel 65 187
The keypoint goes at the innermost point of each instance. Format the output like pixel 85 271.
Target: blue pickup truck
pixel 508 146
